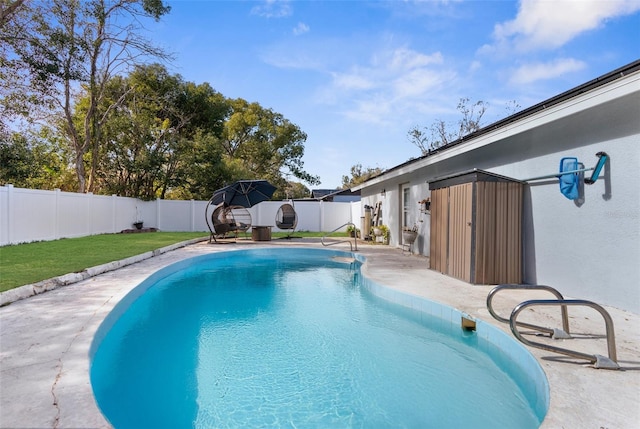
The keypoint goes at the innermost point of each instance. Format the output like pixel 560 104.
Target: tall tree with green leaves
pixel 150 134
pixel 60 45
pixel 206 168
pixel 360 175
pixel 292 190
pixel 35 161
pixel 16 160
pixel 262 144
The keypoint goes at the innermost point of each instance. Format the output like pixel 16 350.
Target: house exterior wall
pixel 587 248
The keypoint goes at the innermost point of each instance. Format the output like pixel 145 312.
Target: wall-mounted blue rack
pixel 602 160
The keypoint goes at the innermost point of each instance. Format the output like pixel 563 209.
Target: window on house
pixel 406 205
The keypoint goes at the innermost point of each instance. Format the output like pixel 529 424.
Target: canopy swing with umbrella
pixel 232 202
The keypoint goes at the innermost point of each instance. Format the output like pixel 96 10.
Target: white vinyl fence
pixel 33 215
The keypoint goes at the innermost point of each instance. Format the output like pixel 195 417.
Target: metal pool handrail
pixel 355 237
pixel 598 360
pixel 552 332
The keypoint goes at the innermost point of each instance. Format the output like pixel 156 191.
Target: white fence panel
pixel 73 214
pixel 308 216
pixel 174 215
pixel 335 215
pixel 199 222
pixel 312 215
pixel 102 211
pixel 33 215
pixel 126 213
pixel 264 213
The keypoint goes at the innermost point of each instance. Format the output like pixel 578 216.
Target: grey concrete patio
pixel 45 339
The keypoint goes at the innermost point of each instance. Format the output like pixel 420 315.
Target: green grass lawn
pixel 28 263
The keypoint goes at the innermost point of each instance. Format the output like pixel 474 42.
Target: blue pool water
pixel 298 338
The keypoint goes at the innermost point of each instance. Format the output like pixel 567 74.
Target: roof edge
pixel 609 77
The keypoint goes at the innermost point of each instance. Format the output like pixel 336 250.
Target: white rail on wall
pixel 34 215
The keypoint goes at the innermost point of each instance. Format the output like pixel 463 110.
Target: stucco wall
pixel 590 247
pixel 587 248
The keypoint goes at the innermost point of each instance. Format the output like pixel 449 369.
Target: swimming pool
pixel 297 337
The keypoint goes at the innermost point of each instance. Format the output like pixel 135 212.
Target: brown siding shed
pixel 476 227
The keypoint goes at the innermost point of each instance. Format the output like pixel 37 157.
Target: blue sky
pixel 357 75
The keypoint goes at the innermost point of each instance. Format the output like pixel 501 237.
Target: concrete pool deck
pixel 45 340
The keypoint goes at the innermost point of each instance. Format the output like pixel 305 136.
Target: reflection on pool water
pixel 298 338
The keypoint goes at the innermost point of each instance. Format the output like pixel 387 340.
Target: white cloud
pixel 529 73
pixel 416 83
pixel 543 24
pixel 273 9
pixel 399 72
pixel 395 81
pixel 301 28
pixel 373 110
pixel 474 66
pixel 299 61
pixel 306 53
pixel 354 80
pixel 406 59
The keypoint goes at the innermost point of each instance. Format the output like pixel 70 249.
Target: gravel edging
pixel 26 291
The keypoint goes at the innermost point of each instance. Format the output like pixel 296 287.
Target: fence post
pixel 192 209
pixel 113 213
pixel 158 201
pixel 90 214
pixel 9 213
pixel 56 218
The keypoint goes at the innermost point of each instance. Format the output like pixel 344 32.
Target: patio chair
pixel 241 219
pixel 286 218
pixel 227 220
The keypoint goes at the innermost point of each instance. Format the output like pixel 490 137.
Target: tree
pixel 267 145
pixel 16 160
pixel 162 136
pixel 360 175
pixel 34 161
pixel 441 133
pixel 292 190
pixel 157 136
pixel 207 170
pixel 156 133
pixel 8 9
pixel 61 44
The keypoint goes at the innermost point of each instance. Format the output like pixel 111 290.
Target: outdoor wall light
pixel 383 193
pixel 425 205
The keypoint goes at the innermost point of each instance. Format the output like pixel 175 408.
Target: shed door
pixel 460 226
pixel 498 246
pixel 439 229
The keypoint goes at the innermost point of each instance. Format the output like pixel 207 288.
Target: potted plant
pixel 352 231
pixel 381 231
pixel 409 234
pixel 138 223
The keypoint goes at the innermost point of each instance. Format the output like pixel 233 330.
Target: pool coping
pixel 45 341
